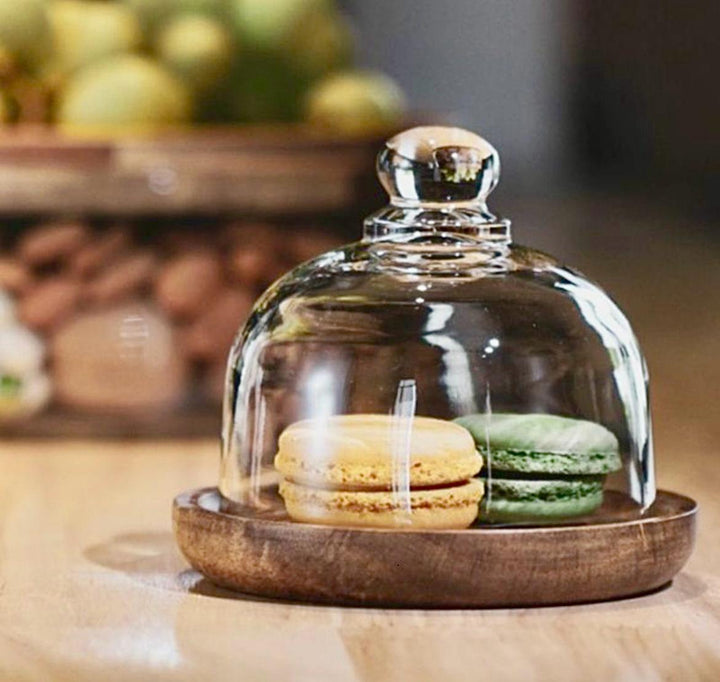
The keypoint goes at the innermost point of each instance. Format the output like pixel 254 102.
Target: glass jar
pixel 435 374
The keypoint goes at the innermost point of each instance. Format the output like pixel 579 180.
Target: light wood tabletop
pixel 92 588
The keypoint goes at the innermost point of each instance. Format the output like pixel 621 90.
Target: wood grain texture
pixel 93 587
pixel 477 567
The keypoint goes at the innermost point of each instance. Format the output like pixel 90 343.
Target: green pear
pixel 87 32
pixel 197 49
pixel 123 94
pixel 25 31
pixel 355 102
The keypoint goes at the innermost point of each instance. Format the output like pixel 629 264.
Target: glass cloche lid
pixel 434 374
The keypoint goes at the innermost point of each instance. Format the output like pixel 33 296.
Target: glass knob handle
pixel 432 165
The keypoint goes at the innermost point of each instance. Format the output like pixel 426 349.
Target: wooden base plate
pixel 609 557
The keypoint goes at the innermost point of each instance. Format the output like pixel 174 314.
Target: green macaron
pixel 541 467
pixel 540 500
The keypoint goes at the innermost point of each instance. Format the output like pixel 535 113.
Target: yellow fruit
pixel 266 24
pixel 123 94
pixel 355 102
pixel 322 42
pixel 84 33
pixel 24 31
pixel 199 50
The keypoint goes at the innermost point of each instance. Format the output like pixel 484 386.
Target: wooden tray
pixel 613 556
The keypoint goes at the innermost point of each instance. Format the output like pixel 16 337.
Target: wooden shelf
pixel 257 170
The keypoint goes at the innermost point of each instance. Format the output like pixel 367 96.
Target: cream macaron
pixel 379 470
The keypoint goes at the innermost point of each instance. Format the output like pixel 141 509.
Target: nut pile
pixel 142 318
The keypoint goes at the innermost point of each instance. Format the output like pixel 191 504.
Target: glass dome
pixel 434 374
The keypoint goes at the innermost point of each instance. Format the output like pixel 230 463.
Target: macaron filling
pixel 464 494
pixel 347 487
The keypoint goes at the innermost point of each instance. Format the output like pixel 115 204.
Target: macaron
pixel 540 467
pixel 540 500
pixel 379 470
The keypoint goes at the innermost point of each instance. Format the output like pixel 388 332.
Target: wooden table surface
pixel 92 587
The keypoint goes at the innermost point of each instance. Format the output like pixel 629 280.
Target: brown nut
pixel 99 252
pixel 262 235
pixel 254 267
pixel 123 278
pixel 248 265
pixel 210 336
pixel 51 242
pixel 309 244
pixel 186 284
pixel 14 276
pixel 181 241
pixel 49 303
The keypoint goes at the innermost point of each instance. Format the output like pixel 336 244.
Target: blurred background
pixel 162 161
